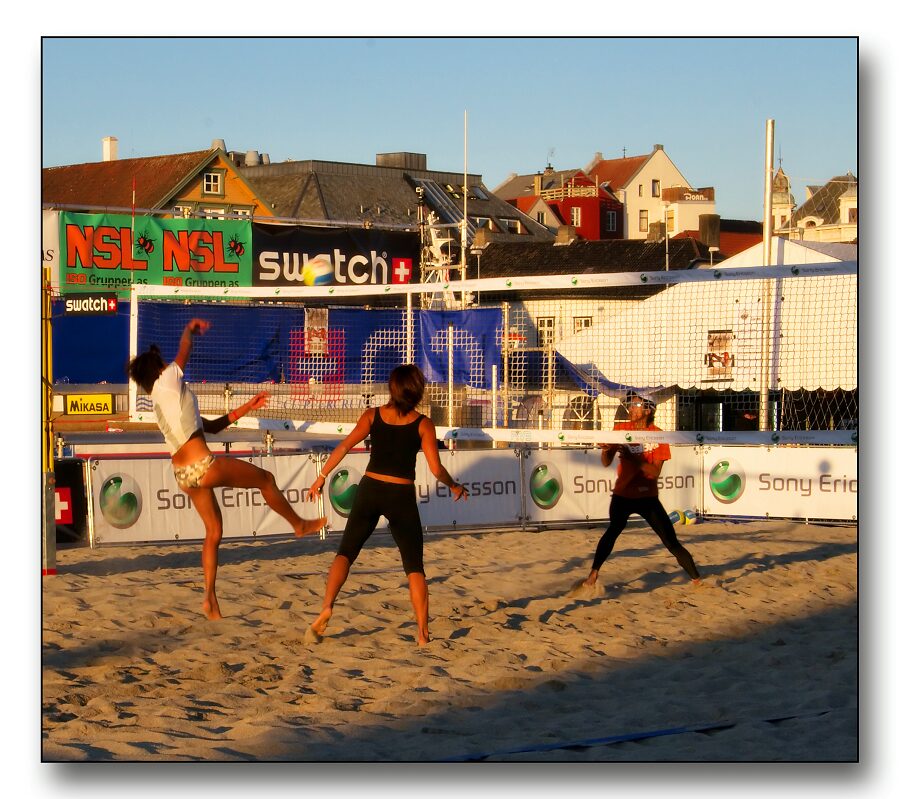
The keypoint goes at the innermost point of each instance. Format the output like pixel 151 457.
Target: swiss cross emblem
pixel 63 505
pixel 401 270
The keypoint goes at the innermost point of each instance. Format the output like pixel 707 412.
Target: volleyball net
pixel 752 355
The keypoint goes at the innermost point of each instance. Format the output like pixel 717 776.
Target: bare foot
pixel 311 636
pixel 424 638
pixel 310 526
pixel 211 609
pixel 698 583
pixel 317 629
pixel 591 579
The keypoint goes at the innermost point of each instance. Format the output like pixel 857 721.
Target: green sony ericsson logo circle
pixel 342 490
pixel 727 481
pixel 545 485
pixel 120 500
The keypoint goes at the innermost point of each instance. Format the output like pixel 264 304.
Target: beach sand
pixel 757 664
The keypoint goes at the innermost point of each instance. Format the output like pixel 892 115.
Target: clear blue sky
pixel 706 100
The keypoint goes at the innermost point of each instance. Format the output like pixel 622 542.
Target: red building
pixel 569 198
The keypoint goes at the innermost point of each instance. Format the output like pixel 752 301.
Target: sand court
pixel 759 663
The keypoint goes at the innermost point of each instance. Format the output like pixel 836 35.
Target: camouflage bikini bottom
pixel 191 475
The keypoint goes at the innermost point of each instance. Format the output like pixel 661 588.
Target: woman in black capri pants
pixel 398 431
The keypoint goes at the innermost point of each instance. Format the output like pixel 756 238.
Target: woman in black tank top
pixel 398 431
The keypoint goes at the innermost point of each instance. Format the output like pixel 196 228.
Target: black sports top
pixel 394 447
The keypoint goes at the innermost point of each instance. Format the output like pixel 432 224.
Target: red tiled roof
pixel 109 183
pixel 617 171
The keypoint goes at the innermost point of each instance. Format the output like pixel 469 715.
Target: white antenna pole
pixel 766 376
pixel 767 201
pixel 464 233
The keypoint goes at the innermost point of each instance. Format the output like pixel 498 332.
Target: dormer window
pixel 214 182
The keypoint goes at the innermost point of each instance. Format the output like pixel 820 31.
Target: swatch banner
pixel 113 251
pixel 356 256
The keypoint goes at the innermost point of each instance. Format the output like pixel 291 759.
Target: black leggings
pixel 650 509
pixel 397 503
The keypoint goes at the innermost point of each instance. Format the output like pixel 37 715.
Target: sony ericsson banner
pixel 782 482
pixel 349 256
pixel 573 485
pixel 137 500
pixel 493 479
pixel 113 251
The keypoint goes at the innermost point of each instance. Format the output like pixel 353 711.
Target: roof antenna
pixel 550 153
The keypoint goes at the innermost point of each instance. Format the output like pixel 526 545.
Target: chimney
pixel 483 237
pixel 710 225
pixel 110 148
pixel 657 231
pixel 219 144
pixel 251 158
pixel 265 159
pixel 537 185
pixel 566 234
pixel 657 147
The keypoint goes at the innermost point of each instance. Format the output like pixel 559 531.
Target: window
pixel 541 218
pixel 640 189
pixel 644 225
pixel 576 216
pixel 511 225
pixel 483 222
pixel 654 188
pixel 853 216
pixel 213 213
pixel 581 322
pixel 242 212
pixel 545 328
pixel 183 211
pixel 612 221
pixel 214 182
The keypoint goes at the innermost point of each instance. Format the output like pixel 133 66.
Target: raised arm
pixel 218 425
pixel 433 458
pixel 357 434
pixel 194 327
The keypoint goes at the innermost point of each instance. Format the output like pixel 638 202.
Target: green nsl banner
pixel 113 251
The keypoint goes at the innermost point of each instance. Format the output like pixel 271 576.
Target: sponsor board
pixel 574 485
pixel 493 480
pixel 88 404
pixel 355 256
pixel 137 500
pixel 114 251
pixel 782 482
pixel 91 304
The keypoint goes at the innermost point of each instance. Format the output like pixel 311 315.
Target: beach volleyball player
pixel 398 431
pixel 636 490
pixel 197 470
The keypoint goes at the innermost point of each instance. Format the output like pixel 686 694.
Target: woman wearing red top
pixel 636 490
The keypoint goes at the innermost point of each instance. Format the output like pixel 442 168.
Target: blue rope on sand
pixel 624 738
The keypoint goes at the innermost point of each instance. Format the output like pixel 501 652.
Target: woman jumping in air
pixel 197 470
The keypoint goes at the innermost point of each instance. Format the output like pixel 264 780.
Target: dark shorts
pixel 397 503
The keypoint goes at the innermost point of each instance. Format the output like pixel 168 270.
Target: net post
pixel 132 348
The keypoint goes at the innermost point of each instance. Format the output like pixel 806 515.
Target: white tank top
pixel 176 408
